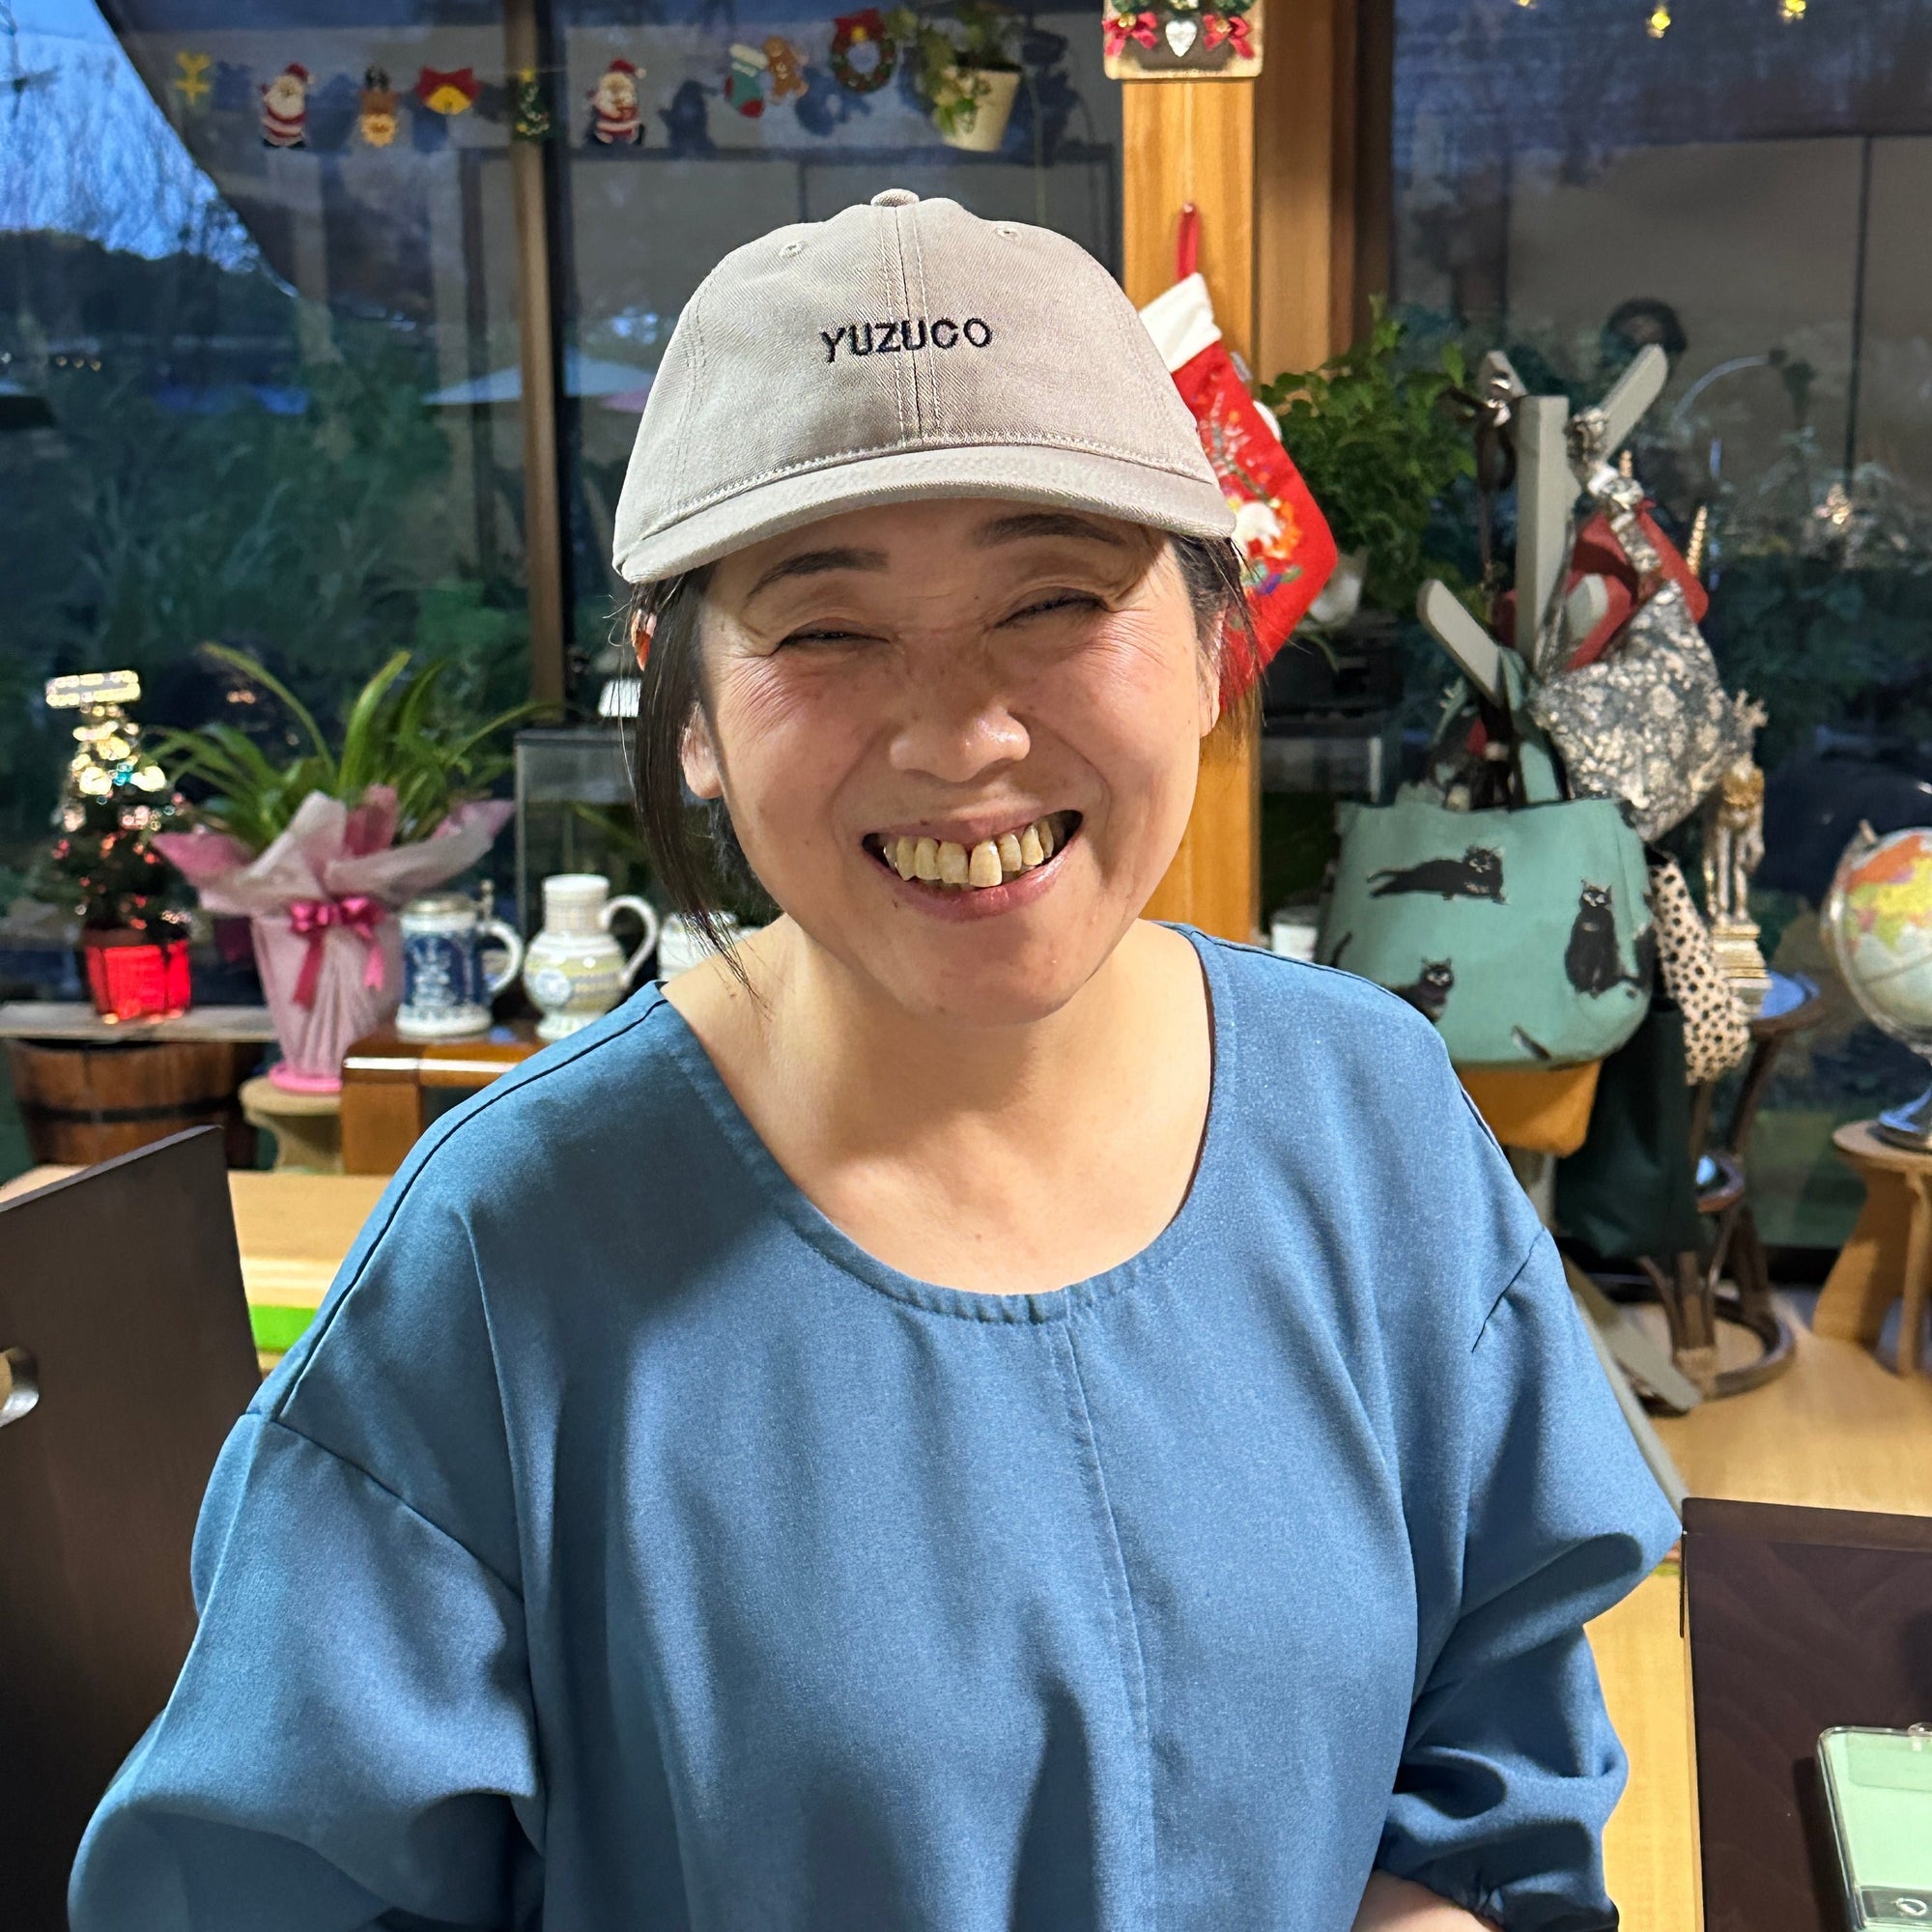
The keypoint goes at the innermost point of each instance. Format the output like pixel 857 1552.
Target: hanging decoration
pixel 1659 23
pixel 745 83
pixel 1183 40
pixel 1792 10
pixel 864 54
pixel 530 118
pixel 615 120
pixel 133 905
pixel 191 81
pixel 453 92
pixel 1288 551
pixel 285 108
pixel 376 109
pixel 686 119
pixel 787 67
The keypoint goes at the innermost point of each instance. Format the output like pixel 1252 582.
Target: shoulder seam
pixel 396 1497
pixel 499 1089
pixel 1504 1292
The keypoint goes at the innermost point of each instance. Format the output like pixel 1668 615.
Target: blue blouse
pixel 625 1548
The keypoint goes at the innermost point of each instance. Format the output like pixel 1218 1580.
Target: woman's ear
pixel 642 628
pixel 699 757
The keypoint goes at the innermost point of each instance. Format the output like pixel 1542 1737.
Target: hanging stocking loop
pixel 1187 242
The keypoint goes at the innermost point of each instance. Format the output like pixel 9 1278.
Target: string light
pixel 1792 10
pixel 1659 23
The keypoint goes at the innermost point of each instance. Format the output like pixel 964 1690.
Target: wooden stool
pixel 307 1126
pixel 1889 1252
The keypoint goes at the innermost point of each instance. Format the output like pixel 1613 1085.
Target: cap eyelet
pixel 1006 231
pixel 790 250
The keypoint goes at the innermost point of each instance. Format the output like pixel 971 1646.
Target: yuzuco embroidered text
pixel 883 338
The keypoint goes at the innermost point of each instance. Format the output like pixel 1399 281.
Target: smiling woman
pixel 974 1410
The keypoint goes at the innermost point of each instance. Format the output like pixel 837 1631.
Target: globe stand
pixel 1909 1127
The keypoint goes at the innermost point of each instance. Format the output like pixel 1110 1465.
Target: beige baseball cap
pixel 904 348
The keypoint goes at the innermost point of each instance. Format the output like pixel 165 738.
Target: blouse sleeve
pixel 1511 1768
pixel 350 1743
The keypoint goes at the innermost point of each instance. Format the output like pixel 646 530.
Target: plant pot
pixel 131 976
pixel 981 130
pixel 326 989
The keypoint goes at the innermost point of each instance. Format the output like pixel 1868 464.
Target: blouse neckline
pixel 1047 1305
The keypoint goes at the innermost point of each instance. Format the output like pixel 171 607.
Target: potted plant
pixel 321 852
pixel 1373 441
pixel 964 62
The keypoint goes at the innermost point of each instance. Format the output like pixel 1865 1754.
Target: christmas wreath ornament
pixel 864 33
pixel 1287 550
pixel 453 92
pixel 1183 40
pixel 377 117
pixel 615 120
pixel 285 108
pixel 530 118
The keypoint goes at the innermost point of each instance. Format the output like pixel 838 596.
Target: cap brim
pixel 1108 485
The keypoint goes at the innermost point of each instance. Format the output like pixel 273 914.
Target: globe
pixel 1878 923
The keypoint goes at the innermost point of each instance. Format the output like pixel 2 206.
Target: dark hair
pixel 694 851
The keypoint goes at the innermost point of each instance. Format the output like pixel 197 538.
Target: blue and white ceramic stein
pixel 447 993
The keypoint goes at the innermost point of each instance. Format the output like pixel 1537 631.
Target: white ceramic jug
pixel 573 969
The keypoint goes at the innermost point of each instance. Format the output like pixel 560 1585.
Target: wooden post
pixel 1270 163
pixel 543 520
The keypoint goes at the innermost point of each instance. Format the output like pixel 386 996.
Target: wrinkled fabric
pixel 623 1547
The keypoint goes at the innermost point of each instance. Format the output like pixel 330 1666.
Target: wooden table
pixel 1889 1256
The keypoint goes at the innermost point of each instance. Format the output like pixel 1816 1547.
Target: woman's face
pixel 1008 697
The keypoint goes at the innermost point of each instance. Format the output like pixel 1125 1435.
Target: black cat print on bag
pixel 1478 875
pixel 1591 960
pixel 1429 993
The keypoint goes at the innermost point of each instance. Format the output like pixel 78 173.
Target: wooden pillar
pixel 1271 166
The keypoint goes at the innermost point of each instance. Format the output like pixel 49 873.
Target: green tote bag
pixel 1524 935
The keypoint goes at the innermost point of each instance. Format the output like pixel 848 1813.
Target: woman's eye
pixel 1060 600
pixel 821 637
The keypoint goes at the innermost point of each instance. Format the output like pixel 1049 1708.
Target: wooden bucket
pixel 81 1102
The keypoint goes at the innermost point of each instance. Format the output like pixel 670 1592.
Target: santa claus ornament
pixel 285 108
pixel 614 118
pixel 1285 547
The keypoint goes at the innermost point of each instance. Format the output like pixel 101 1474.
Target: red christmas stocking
pixel 1278 528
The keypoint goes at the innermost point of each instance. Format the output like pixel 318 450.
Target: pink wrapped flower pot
pixel 322 902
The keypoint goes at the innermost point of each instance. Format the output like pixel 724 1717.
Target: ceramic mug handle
pixel 513 944
pixel 649 920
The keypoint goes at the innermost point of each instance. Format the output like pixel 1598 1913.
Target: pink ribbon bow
pixel 1121 28
pixel 311 919
pixel 1219 27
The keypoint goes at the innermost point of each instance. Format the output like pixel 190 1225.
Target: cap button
pixel 894 197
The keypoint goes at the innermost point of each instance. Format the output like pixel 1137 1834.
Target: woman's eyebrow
pixel 815 563
pixel 1044 523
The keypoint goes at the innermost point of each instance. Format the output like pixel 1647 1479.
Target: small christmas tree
pixel 101 864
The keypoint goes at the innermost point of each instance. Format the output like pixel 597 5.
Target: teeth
pixel 945 862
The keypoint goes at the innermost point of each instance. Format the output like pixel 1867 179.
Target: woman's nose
pixel 955 727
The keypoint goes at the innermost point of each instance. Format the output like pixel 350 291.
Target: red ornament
pixel 130 978
pixel 1121 28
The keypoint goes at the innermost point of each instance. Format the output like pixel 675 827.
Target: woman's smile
pixel 968 878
